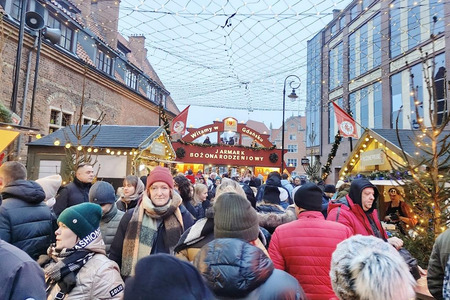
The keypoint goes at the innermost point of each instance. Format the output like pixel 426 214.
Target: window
pixel 131 79
pixel 89 121
pixel 365 4
pixel 364 107
pixel 353 12
pixel 439 80
pixel 377 106
pixel 413 24
pixel 293 148
pixel 59 119
pixel 292 137
pixel 16 9
pixel 292 162
pixel 333 29
pixel 437 10
pixel 396 101
pixel 67 33
pixel 342 22
pixel 335 66
pixel 104 62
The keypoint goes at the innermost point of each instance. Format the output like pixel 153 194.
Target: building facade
pixel 91 62
pixel 367 59
pixel 294 143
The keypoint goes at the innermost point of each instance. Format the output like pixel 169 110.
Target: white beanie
pixel 366 267
pixel 50 185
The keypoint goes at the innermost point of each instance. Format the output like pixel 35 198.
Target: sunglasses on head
pixel 393 191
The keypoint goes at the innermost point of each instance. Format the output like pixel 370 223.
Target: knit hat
pixel 329 188
pixel 366 267
pixel 160 174
pixel 82 218
pixel 165 277
pixel 234 217
pixel 50 185
pixel 102 192
pixel 309 197
pixel 271 194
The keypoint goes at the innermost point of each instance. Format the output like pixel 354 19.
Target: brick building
pixel 113 71
pixel 294 142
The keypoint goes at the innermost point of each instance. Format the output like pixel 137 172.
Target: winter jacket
pixel 116 248
pixel 274 181
pixel 271 216
pixel 74 193
pixel 99 278
pixel 109 224
pixel 25 219
pixel 288 186
pixel 123 206
pixel 436 266
pixel 20 276
pixel 235 269
pixel 348 211
pixel 303 248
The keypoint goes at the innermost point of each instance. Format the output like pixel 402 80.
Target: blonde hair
pixel 198 189
pixel 230 186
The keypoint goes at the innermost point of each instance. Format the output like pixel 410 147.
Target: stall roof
pixel 114 136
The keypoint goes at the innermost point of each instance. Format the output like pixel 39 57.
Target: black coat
pixel 25 220
pixel 74 193
pixel 235 269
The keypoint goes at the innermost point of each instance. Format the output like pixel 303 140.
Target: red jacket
pixel 353 216
pixel 303 248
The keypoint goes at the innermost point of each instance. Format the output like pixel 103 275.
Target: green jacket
pixel 436 265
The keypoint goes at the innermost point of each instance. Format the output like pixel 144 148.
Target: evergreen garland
pixel 224 145
pixel 326 170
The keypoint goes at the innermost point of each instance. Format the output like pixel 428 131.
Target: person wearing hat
pixel 164 277
pixel 79 268
pixel 328 192
pixel 232 265
pixel 294 247
pixel 154 226
pixel 357 210
pixel 50 185
pixel 102 193
pixel 271 213
pixel 366 267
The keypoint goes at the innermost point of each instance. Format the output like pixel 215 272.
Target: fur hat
pixel 102 192
pixel 339 183
pixel 82 218
pixel 309 197
pixel 329 188
pixel 162 276
pixel 50 185
pixel 234 217
pixel 366 267
pixel 160 174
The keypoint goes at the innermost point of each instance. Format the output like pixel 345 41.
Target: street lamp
pixel 292 95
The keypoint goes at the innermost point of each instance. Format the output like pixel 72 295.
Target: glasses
pixel 393 192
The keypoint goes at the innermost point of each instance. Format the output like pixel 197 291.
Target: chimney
pixel 137 46
pixel 336 12
pixel 106 15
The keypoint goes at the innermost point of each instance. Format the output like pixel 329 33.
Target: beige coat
pixel 98 279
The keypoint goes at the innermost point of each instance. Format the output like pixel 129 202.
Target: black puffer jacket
pixel 74 193
pixel 236 269
pixel 25 220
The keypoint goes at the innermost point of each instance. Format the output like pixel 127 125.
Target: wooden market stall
pixel 117 151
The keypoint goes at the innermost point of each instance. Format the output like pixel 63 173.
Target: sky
pixel 229 58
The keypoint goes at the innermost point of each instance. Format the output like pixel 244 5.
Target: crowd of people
pixel 202 237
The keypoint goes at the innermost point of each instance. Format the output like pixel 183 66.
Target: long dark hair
pixel 183 187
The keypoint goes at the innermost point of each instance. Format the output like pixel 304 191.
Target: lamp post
pixel 292 95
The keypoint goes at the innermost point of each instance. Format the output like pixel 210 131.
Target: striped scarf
pixel 142 230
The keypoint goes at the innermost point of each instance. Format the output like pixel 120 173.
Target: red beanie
pixel 160 174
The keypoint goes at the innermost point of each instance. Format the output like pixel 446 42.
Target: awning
pixel 387 182
pixel 7 137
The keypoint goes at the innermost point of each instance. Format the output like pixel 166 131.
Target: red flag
pixel 345 122
pixel 179 122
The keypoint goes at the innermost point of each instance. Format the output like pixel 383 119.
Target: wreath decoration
pixel 273 157
pixel 180 152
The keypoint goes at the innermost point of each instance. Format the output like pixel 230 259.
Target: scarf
pixel 138 191
pixel 142 230
pixel 69 262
